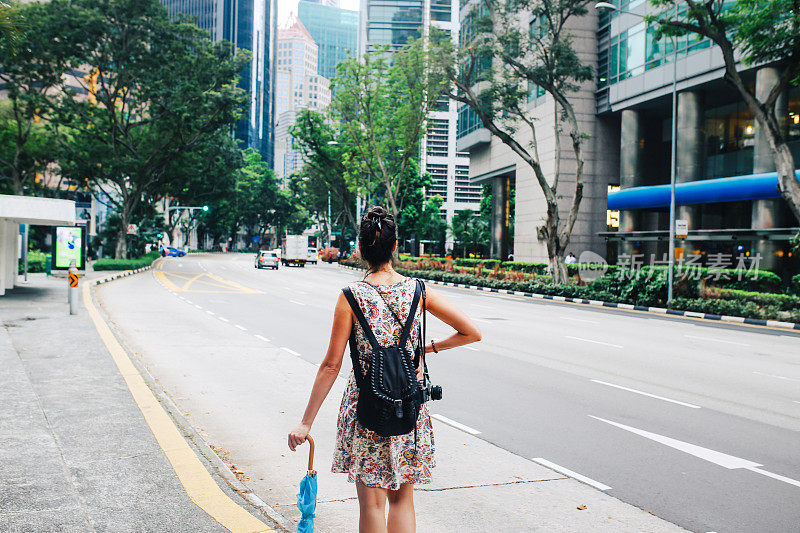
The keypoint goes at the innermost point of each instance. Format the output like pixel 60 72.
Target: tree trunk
pixel 559 268
pixel 121 250
pixel 787 178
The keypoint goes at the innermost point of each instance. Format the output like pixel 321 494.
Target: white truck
pixel 295 250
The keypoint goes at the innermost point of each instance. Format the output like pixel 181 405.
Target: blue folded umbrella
pixel 307 498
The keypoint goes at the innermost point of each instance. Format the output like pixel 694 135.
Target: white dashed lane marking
pixel 646 394
pixel 457 425
pixel 290 350
pixel 261 338
pixel 241 327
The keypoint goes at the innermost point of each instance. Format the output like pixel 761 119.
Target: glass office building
pixel 335 31
pixel 251 25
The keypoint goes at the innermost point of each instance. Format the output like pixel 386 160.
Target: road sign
pixel 681 229
pixel 73 279
pixel 133 229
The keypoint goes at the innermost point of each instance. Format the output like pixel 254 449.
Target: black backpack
pixel 389 396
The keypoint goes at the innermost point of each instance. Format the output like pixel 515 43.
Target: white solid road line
pixel 262 338
pixel 722 459
pixel 775 376
pixel 296 302
pixel 290 351
pixel 569 473
pixel 646 394
pixel 715 340
pixel 457 425
pixel 596 342
pixel 241 327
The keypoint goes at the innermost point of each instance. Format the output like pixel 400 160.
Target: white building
pixel 298 86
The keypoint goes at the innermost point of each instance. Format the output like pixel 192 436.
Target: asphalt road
pixel 697 422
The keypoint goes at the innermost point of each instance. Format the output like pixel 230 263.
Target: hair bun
pixel 377 213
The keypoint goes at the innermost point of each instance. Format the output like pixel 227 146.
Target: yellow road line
pixel 196 480
pixel 233 287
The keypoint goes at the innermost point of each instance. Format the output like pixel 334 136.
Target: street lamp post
pixel 673 146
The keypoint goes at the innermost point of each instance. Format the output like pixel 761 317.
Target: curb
pixel 122 274
pixel 627 307
pixel 202 448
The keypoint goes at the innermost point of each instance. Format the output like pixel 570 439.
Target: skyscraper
pixel 393 23
pixel 335 31
pixel 250 25
pixel 298 86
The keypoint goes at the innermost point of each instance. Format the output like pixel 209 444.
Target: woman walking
pixel 382 468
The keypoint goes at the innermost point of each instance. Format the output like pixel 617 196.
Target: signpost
pixel 69 244
pixel 72 291
pixel 681 229
pixel 133 229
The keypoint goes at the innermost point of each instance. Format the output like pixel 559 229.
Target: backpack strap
pixel 359 372
pixel 411 314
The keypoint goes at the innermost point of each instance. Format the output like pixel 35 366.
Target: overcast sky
pixel 290 6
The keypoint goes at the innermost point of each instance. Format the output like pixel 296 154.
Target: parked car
pixel 171 251
pixel 267 258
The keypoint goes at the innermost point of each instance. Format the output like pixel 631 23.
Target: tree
pixel 319 140
pixel 494 74
pixel 470 231
pixel 12 23
pixel 156 89
pixel 35 55
pixel 759 32
pixel 205 175
pixel 383 100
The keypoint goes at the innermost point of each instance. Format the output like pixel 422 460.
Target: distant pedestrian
pixel 570 259
pixel 381 467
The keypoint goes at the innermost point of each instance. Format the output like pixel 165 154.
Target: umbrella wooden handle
pixel 310 452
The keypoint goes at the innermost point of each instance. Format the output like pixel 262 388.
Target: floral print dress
pixel 364 455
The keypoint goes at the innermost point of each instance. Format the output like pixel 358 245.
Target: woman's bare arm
pixel 450 314
pixel 328 370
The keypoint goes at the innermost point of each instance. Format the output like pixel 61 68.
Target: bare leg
pixel 401 510
pixel 372 509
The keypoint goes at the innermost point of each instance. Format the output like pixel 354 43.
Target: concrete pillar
pixel 767 213
pixel 690 153
pixel 631 170
pixel 501 188
pixel 4 245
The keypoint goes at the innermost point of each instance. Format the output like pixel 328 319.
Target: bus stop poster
pixel 69 243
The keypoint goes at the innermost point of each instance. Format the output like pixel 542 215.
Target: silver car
pixel 266 258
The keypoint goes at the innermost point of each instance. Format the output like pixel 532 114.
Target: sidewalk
pixel 243 394
pixel 76 453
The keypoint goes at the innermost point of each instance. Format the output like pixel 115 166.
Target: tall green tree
pixel 500 69
pixel 319 139
pixel 757 32
pixel 383 100
pixel 156 89
pixel 34 55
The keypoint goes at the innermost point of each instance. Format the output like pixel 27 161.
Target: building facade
pixel 250 25
pixel 626 111
pixel 393 23
pixel 335 31
pixel 298 86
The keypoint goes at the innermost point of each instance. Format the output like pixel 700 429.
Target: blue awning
pixel 749 187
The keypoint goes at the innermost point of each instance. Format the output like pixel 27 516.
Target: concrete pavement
pixel 76 453
pixel 209 335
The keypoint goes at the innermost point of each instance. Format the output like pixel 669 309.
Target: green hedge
pixel 760 280
pixel 125 264
pixel 784 302
pixel 36 262
pixel 745 308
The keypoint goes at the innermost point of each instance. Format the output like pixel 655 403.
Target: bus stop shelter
pixel 16 210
